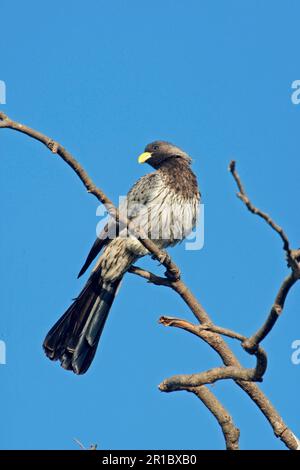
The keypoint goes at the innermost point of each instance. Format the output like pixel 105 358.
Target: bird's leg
pixel 172 273
pixel 295 254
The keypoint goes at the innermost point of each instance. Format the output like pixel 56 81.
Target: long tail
pixel 75 336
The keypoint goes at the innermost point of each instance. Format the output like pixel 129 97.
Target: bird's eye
pixel 155 147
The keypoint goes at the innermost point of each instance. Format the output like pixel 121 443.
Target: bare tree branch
pixel 55 147
pixel 230 432
pixel 243 196
pixel 206 332
pixel 197 329
pixel 252 343
pixel 261 356
pixel 177 382
pixel 150 277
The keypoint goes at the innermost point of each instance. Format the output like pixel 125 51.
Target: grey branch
pixel 207 333
pixel 230 432
pixel 251 344
pixel 178 382
pixel 255 210
pixel 255 374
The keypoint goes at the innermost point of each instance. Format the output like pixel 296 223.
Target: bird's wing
pixel 141 192
pixel 99 243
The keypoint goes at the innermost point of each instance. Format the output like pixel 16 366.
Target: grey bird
pixel 165 205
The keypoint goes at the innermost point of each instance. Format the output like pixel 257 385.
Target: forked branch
pixel 207 331
pixel 252 343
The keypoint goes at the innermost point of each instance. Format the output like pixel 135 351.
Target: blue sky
pixel 105 79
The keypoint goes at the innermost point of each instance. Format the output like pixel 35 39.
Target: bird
pixel 165 204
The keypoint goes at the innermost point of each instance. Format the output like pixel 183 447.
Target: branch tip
pixel 232 166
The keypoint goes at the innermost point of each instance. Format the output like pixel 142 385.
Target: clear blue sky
pixel 105 79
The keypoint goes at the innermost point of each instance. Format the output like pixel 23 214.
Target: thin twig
pixel 255 210
pixel 243 196
pixel 150 277
pixel 252 343
pixel 197 329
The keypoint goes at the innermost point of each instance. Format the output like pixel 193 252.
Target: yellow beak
pixel 144 157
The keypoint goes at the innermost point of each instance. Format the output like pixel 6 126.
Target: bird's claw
pixel 293 258
pixel 173 275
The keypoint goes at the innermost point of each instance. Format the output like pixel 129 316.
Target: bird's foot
pixel 293 261
pixel 173 275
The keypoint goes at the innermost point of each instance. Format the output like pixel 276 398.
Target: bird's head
pixel 158 152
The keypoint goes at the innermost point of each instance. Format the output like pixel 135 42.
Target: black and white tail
pixel 74 338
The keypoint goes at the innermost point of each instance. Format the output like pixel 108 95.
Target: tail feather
pixel 75 336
